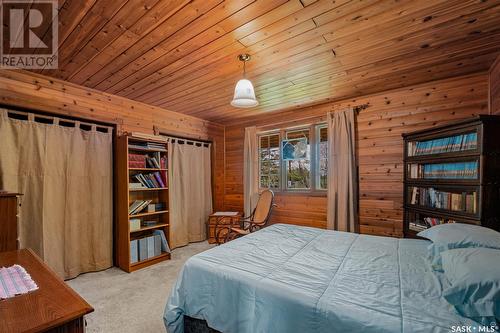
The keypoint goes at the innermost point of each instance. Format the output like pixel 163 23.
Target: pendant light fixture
pixel 244 94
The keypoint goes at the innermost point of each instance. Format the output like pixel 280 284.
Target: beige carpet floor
pixel 127 303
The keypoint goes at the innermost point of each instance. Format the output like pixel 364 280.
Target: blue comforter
pixel 286 278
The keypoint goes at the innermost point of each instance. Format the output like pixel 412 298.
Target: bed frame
pixel 193 325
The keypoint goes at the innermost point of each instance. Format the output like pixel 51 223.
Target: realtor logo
pixel 29 34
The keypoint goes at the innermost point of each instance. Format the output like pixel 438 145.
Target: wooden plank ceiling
pixel 182 55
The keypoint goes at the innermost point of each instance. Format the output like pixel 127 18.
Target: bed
pixel 287 278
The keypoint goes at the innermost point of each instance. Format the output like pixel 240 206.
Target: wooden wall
pixel 494 84
pixel 33 91
pixel 379 147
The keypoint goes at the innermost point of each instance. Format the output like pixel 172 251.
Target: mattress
pixel 287 278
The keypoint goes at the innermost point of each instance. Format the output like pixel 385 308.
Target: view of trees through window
pixel 298 170
pixel 322 135
pixel 294 159
pixel 269 160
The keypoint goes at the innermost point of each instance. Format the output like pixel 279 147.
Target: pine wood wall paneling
pixel 379 148
pixel 34 91
pixel 494 87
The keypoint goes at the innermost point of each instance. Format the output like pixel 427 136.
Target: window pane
pixel 298 134
pixel 299 174
pixel 323 134
pixel 269 161
pixel 322 165
pixel 298 169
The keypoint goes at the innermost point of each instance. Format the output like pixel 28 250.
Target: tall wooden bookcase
pixel 452 174
pixel 128 146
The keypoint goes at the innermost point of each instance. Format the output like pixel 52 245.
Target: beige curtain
pixel 65 174
pixel 250 170
pixel 342 174
pixel 190 193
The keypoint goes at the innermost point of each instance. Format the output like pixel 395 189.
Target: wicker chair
pixel 257 220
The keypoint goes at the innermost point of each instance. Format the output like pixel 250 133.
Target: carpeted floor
pixel 133 302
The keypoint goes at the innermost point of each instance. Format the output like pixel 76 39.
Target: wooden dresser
pixel 9 203
pixel 53 307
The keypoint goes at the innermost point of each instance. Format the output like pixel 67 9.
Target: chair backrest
pixel 264 206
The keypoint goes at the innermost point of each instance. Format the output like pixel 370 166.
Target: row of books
pixel 148 247
pixel 146 205
pixel 138 206
pixel 146 161
pixel 149 145
pixel 431 198
pixel 136 223
pixel 151 180
pixel 459 170
pixel 427 223
pixel 443 145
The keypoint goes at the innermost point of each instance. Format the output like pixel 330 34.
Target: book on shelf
pixel 462 142
pixel 149 223
pixel 143 249
pixel 135 224
pixel 138 206
pixel 149 246
pixel 164 243
pixel 148 145
pixel 134 251
pixel 148 136
pixel 152 162
pixel 431 198
pixel 456 170
pixel 136 186
pixel 156 207
pixel 150 180
pixel 136 160
pixel 144 161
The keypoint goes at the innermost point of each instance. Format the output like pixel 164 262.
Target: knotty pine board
pixel 494 77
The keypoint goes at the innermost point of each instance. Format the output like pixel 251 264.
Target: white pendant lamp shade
pixel 244 95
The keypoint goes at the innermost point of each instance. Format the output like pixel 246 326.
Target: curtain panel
pixel 65 174
pixel 342 172
pixel 190 193
pixel 250 170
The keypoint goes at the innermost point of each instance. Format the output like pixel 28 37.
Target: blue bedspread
pixel 286 278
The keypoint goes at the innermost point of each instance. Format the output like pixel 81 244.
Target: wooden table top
pixel 225 214
pixel 53 304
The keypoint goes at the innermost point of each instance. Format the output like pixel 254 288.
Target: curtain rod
pixel 56 119
pixel 359 108
pixel 189 141
pixel 40 113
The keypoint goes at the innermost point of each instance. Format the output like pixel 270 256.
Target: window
pixel 322 153
pixel 294 160
pixel 269 161
pixel 298 163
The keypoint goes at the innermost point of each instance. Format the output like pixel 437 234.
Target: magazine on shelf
pixel 462 142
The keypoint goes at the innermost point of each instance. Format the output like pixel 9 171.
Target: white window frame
pixel 314 158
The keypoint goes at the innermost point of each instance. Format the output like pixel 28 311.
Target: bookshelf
pixel 142 202
pixel 452 175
